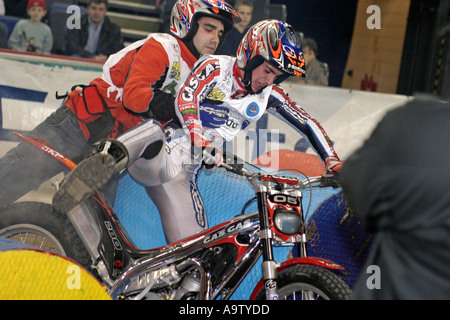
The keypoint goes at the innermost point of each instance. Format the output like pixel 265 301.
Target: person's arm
pixel 362 177
pixel 111 40
pixel 142 93
pixel 2 8
pixel 201 80
pixel 317 76
pixel 117 39
pixel 284 108
pixel 48 42
pixel 17 39
pixel 76 40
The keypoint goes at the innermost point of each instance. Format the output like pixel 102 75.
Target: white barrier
pixel 348 116
pixel 27 92
pixel 27 89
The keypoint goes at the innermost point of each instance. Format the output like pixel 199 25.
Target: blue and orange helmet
pixel 185 13
pixel 273 41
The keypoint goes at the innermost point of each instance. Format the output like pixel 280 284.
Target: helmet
pixel 185 14
pixel 275 42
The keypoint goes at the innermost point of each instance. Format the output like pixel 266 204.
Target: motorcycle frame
pixel 136 262
pixel 119 263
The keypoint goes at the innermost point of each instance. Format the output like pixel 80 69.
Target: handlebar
pixel 237 167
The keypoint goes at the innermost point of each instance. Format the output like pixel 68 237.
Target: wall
pixel 377 52
pixel 28 84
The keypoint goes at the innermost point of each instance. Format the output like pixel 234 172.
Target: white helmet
pixel 275 42
pixel 185 13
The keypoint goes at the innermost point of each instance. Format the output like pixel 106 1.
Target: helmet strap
pixel 281 78
pixel 188 40
pixel 254 63
pixel 247 81
pixel 191 47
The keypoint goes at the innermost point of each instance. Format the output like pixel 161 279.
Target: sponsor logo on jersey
pixel 252 110
pixel 216 94
pixel 175 71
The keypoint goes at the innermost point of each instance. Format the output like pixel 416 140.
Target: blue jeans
pixel 25 167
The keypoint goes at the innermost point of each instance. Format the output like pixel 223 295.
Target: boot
pixel 108 157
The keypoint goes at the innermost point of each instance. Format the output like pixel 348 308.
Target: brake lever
pixel 235 168
pixel 232 163
pixel 328 180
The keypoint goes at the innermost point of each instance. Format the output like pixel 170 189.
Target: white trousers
pixel 162 160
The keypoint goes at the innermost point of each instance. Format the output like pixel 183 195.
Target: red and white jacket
pixel 133 79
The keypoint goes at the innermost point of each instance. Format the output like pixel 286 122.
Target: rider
pixel 139 82
pixel 219 93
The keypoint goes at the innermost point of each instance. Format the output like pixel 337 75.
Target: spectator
pixel 32 35
pixel 315 73
pixel 245 9
pixel 2 8
pixel 398 182
pixel 98 36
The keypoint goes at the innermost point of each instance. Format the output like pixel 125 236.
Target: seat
pixel 59 6
pixel 259 11
pixel 276 11
pixel 3 35
pixel 58 25
pixel 10 22
pixel 56 5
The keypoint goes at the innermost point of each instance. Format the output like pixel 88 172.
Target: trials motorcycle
pixel 209 265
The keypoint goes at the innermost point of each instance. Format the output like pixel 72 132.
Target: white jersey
pixel 213 80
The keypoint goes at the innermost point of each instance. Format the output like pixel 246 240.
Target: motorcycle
pixel 207 266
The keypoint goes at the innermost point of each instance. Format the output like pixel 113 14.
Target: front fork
pixel 301 246
pixel 269 265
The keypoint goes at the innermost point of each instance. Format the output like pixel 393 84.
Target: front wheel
pixel 38 225
pixel 309 282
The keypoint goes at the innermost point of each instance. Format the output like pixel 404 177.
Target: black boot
pixel 108 157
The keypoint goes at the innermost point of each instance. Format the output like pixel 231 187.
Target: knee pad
pixel 152 150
